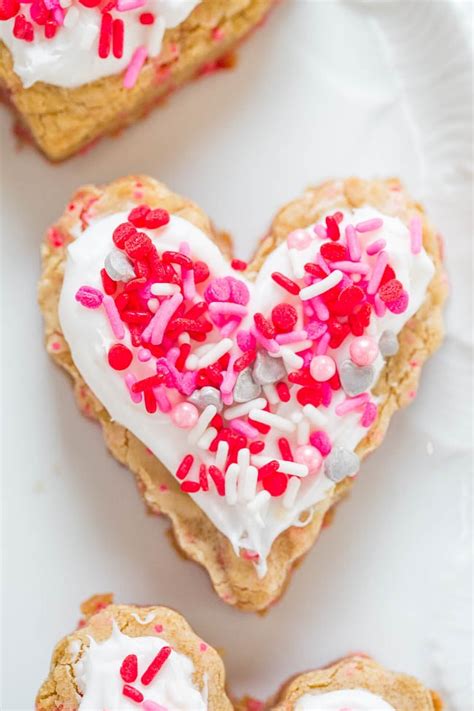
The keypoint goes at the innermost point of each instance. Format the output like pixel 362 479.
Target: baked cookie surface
pixel 249 563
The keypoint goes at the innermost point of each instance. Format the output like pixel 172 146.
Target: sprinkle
pixel 222 454
pixel 201 425
pixel 184 466
pixel 105 37
pixel 375 247
pixel 131 693
pixel 241 410
pixel 321 262
pixel 125 5
pixel 322 347
pixel 229 327
pixel 379 306
pixel 291 492
pixel 272 420
pixel 89 297
pixel 285 449
pixel 369 414
pixel 114 317
pixel 218 479
pixel 227 308
pixel 203 482
pixel 351 403
pixel 297 263
pixel 369 225
pixel 332 228
pixel 190 487
pixel 238 264
pixel 291 359
pixel 283 391
pixel 285 283
pixel 133 69
pixel 119 356
pixel 243 428
pixel 351 267
pixel 258 504
pixel 216 352
pixel 244 361
pixel 164 289
pixel 117 38
pixel 162 399
pixel 130 380
pixel 320 287
pixel 377 274
pixel 155 665
pixel 129 668
pixel 320 231
pixel 271 393
pixel 209 436
pixel 247 483
pixel 155 330
pixel 352 242
pixel 416 235
pixel 321 441
pixel 284 466
pixel 231 476
pixel 292 337
pixel 269 344
pixel 192 362
pixel 314 415
pixel 187 275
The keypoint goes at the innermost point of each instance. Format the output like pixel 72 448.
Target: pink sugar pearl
pixel 299 239
pixel 363 350
pixel 322 368
pixel 185 415
pixel 306 454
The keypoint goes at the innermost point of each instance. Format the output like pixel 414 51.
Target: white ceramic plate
pixel 324 89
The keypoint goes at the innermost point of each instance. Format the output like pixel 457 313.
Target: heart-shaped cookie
pixel 228 373
pixel 124 657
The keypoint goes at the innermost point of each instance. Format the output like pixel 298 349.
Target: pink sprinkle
pixel 269 344
pixel 229 327
pixel 376 246
pixel 352 242
pixel 370 225
pixel 114 317
pixel 143 355
pixel 159 628
pixel 130 380
pixel 153 706
pixel 133 70
pixel 172 355
pixel 369 414
pixel 245 341
pixel 187 275
pixel 203 647
pixel 416 234
pixel 321 262
pixel 125 5
pixel 162 398
pixel 315 329
pixel 89 297
pixel 351 267
pixel 157 326
pixel 56 346
pixel 377 274
pixel 379 306
pixel 322 347
pixel 351 403
pixel 399 305
pixel 291 337
pixel 326 394
pixel 227 308
pixel 244 428
pixel 58 15
pixel 228 381
pixel 321 231
pixel 320 309
pixel 321 441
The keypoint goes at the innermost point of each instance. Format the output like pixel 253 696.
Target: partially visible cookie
pixel 128 657
pixel 357 683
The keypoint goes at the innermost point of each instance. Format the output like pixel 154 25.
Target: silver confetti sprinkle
pixel 341 462
pixel 118 267
pixel 246 388
pixel 207 396
pixel 268 370
pixel 356 379
pixel 388 344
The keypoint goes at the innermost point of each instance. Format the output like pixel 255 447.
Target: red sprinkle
pixel 203 478
pixel 286 283
pixel 147 18
pixel 239 265
pixel 119 357
pixel 284 317
pixel 177 258
pixel 109 284
pixel 8 9
pixel 285 449
pixel 117 38
pixel 105 37
pixel 190 487
pixel 309 396
pixel 137 216
pixel 148 383
pixel 333 252
pixel 391 290
pixel 276 483
pixel 132 693
pixel 283 391
pixel 244 361
pixel 218 479
pixel 201 272
pixel 150 402
pixel 332 228
pixel 264 326
pixel 159 217
pixel 184 466
pixel 129 668
pixel 138 245
pixel 267 469
pixel 122 233
pixel 257 446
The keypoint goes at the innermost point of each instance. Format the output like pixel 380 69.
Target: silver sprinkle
pixel 246 388
pixel 356 379
pixel 118 267
pixel 207 396
pixel 268 370
pixel 340 463
pixel 388 343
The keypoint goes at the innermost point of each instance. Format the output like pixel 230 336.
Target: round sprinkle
pixel 284 317
pixel 310 456
pixel 363 350
pixel 119 357
pixel 322 368
pixel 184 415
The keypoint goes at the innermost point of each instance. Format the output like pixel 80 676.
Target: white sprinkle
pixel 271 394
pixel 289 497
pixel 192 362
pixel 221 454
pixel 276 421
pixel 71 18
pixel 184 338
pixel 206 439
pixel 153 305
pixel 258 504
pixel 243 458
pixel 320 287
pixel 299 346
pixel 65 3
pixel 302 432
pixel 292 468
pixel 216 352
pixel 240 410
pixel 201 425
pixel 297 263
pixel 231 476
pixel 291 360
pixel 247 484
pixel 163 289
pixel 296 417
pixel 314 415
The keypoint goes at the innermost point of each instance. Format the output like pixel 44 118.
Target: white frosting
pixel 89 337
pixel 70 58
pixel 97 672
pixel 343 700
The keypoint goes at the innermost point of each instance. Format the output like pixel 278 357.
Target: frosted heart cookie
pixel 77 69
pixel 356 683
pixel 126 657
pixel 243 397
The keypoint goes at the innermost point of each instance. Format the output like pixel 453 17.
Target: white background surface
pixel 325 89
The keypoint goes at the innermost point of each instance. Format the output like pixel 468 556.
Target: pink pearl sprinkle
pixel 369 414
pixel 352 242
pixel 322 368
pixel 133 70
pixel 309 455
pixel 416 234
pixel 321 231
pixel 321 441
pixel 369 225
pixel 299 239
pixel 363 350
pixel 143 355
pixel 185 415
pixel 376 246
pixel 89 297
